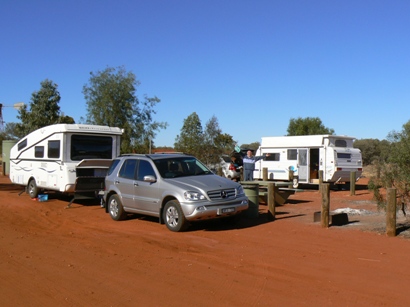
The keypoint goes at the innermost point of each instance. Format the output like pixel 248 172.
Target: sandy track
pixel 53 256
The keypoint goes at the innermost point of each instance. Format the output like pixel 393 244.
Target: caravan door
pixel 303 165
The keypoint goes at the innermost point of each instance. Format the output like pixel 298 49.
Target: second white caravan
pixel 55 157
pixel 300 158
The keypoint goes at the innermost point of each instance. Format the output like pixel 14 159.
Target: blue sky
pixel 252 64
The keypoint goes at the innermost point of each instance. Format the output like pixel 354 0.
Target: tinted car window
pixel 145 169
pixel 113 165
pixel 180 167
pixel 227 159
pixel 128 169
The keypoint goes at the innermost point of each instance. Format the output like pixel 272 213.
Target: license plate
pixel 101 193
pixel 228 210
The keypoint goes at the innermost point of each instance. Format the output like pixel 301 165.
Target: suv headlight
pixel 239 190
pixel 190 195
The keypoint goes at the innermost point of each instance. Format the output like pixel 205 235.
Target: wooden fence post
pixel 320 181
pixel 325 190
pixel 320 177
pixel 391 212
pixel 271 200
pixel 265 174
pixel 352 183
pixel 291 177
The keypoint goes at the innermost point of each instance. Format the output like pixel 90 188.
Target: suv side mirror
pixel 150 178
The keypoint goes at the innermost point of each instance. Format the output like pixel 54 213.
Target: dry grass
pixel 369 171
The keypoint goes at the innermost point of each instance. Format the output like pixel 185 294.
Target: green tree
pixel 111 100
pixel 10 132
pixel 307 126
pixel 44 110
pixel 65 119
pixel 395 172
pixel 216 143
pixel 207 145
pixel 211 133
pixel 253 146
pixel 384 148
pixel 226 143
pixel 373 150
pixel 191 138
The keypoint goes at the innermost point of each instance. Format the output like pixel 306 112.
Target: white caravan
pixel 54 157
pixel 305 156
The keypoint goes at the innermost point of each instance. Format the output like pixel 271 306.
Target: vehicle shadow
pixel 225 224
pixel 402 228
pixel 52 195
pixel 8 187
pixel 71 202
pixel 296 202
pixel 334 187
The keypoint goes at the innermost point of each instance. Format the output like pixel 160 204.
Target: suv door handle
pixel 116 182
pixel 135 184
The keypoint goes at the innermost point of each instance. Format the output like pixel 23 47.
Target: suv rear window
pixel 113 165
pixel 128 169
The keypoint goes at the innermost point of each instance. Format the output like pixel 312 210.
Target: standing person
pixel 249 165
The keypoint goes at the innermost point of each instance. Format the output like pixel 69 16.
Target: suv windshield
pixel 180 167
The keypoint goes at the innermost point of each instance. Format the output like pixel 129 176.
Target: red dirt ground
pixel 53 256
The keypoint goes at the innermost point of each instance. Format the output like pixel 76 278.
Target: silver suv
pixel 177 188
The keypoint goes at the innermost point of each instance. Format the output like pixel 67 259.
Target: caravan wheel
pixel 295 182
pixel 32 189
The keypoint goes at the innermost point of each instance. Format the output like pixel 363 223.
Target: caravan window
pixel 273 156
pixel 342 155
pixel 39 151
pixel 91 147
pixel 292 154
pixel 22 144
pixel 53 149
pixel 341 143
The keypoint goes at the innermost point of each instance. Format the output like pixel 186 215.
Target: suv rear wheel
pixel 115 208
pixel 174 217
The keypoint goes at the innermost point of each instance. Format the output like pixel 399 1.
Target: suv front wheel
pixel 174 217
